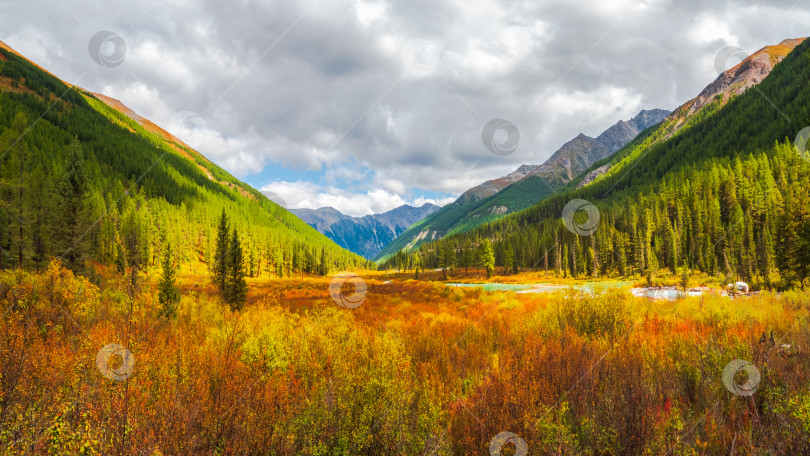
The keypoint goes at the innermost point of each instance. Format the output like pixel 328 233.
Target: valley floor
pixel 404 367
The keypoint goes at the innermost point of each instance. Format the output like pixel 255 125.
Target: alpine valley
pixel 645 291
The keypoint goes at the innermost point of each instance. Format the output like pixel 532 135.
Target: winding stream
pixel 543 287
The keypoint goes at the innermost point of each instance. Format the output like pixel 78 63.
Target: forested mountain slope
pixel 81 180
pixel 525 186
pixel 727 196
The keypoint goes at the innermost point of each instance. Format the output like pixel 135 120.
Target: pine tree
pixel 447 258
pixel 595 257
pixel 508 259
pixel 3 235
pixel 322 267
pixel 120 260
pixel 168 294
pixel 41 197
pixel 131 231
pixel 21 203
pixel 488 257
pixel 296 260
pixel 219 270
pixel 235 284
pixel 73 189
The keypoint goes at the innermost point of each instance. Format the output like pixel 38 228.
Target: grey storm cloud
pixel 401 88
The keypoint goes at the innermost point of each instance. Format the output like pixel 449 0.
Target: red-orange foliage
pixel 417 369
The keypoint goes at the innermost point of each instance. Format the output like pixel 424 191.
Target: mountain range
pixel 368 234
pixel 495 198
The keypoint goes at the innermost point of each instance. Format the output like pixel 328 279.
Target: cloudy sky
pixel 367 105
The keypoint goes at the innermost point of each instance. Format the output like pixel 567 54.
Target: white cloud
pixel 369 12
pixel 711 29
pixel 604 103
pixel 322 85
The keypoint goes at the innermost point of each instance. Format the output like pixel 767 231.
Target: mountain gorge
pixel 368 234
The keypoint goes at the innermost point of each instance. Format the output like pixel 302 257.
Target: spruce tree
pixel 22 206
pixel 296 260
pixel 73 189
pixel 488 257
pixel 447 258
pixel 508 259
pixel 235 284
pixel 3 235
pixel 252 263
pixel 219 270
pixel 41 201
pixel 322 268
pixel 168 294
pixel 120 260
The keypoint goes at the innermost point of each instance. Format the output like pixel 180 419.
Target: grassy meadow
pixel 418 368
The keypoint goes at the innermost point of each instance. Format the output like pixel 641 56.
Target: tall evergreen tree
pixel 323 269
pixel 41 200
pixel 487 257
pixel 508 258
pixel 168 294
pixel 219 269
pixel 235 284
pixel 120 259
pixel 447 258
pixel 22 206
pixel 73 189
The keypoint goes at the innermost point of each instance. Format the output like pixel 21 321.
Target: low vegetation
pixel 419 368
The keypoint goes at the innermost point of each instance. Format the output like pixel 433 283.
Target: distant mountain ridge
pixel 364 235
pixel 495 198
pixel 581 152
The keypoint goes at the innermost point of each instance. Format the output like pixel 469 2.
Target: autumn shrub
pixel 417 369
pixel 604 315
